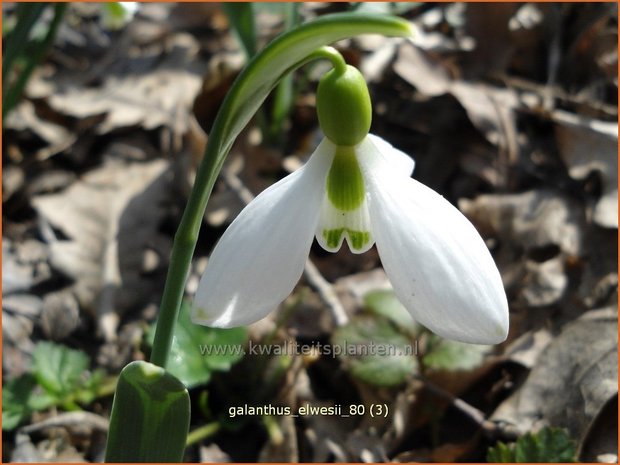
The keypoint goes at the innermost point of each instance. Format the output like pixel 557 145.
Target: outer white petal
pixel 261 256
pixel 402 162
pixel 438 264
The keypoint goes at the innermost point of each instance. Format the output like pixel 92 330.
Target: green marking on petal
pixel 358 239
pixel 332 236
pixel 345 184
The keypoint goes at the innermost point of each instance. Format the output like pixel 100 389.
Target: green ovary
pixel 345 184
pixel 357 238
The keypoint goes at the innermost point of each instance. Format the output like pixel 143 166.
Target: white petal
pixel 261 256
pixel 438 264
pixel 402 162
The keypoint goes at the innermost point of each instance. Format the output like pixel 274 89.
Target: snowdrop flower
pixel 356 188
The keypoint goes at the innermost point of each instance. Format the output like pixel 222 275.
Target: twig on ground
pixel 490 429
pixel 81 419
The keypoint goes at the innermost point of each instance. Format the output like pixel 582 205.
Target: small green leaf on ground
pixel 197 350
pixel 58 376
pixel 550 445
pixel 20 399
pixel 374 351
pixel 444 354
pixel 384 302
pixel 58 368
pixel 90 389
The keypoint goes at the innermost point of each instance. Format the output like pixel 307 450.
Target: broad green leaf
pixel 374 351
pixel 20 399
pixel 445 354
pixel 58 368
pixel 549 445
pixel 284 94
pixel 197 350
pixel 16 42
pixel 385 303
pixel 150 416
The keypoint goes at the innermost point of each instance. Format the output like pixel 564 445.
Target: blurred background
pixel 510 112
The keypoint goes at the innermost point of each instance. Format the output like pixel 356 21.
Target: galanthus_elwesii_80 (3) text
pixel 356 188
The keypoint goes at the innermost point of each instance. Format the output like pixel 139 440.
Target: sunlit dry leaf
pixel 589 146
pixel 528 347
pixel 536 230
pixel 151 92
pixel 545 283
pixel 25 118
pixel 109 217
pixel 600 443
pixel 490 109
pixel 430 76
pixel 582 364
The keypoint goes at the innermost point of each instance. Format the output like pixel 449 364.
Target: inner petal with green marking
pixel 344 214
pixel 345 184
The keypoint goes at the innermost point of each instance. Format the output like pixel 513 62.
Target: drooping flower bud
pixel 343 106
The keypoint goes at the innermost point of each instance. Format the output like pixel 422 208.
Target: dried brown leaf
pixel 536 230
pixel 600 444
pixel 582 364
pixel 109 217
pixel 151 92
pixel 588 146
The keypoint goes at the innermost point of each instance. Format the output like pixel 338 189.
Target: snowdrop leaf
pixel 150 416
pixel 241 18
